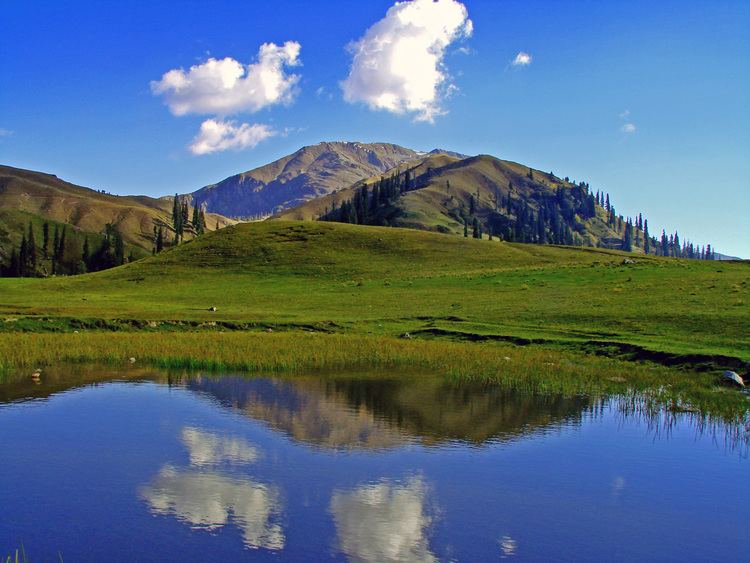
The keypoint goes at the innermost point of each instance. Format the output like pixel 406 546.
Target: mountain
pixel 308 173
pixel 446 192
pixel 35 197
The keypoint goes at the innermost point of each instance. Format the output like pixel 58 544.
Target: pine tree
pixel 86 254
pixel 185 208
pixel 477 230
pixel 203 220
pixel 627 244
pixel 646 238
pixel 32 251
pixel 14 269
pixel 177 218
pixel 196 218
pixel 45 240
pixel 466 229
pixel 160 240
pixel 23 256
pixel 60 251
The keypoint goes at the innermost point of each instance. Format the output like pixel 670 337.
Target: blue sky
pixel 77 97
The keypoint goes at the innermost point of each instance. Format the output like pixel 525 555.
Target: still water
pixel 142 465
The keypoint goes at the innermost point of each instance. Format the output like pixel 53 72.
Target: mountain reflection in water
pixel 381 413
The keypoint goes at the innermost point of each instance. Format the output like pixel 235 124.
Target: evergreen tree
pixel 196 218
pixel 31 264
pixel 23 257
pixel 86 253
pixel 627 244
pixel 177 217
pixel 202 217
pixel 160 240
pixel 646 238
pixel 466 229
pixel 185 209
pixel 60 251
pixel 477 229
pixel 45 240
pixel 14 268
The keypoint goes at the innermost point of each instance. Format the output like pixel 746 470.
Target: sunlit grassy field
pixel 349 279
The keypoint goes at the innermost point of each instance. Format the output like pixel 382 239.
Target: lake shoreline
pixel 535 368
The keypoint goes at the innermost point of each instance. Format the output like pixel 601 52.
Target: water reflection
pixel 206 498
pixel 381 413
pixel 384 521
pixel 208 448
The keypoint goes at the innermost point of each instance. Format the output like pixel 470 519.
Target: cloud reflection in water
pixel 206 498
pixel 384 521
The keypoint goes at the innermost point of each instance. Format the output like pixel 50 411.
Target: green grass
pixel 379 281
pixel 532 369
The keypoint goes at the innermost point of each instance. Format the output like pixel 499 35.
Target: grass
pixel 529 369
pixel 368 280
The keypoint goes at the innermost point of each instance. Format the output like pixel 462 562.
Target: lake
pixel 105 464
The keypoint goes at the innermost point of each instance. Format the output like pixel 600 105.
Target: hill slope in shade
pixel 355 279
pixel 310 172
pixel 28 196
pixel 444 185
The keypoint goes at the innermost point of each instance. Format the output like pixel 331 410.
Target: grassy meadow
pixel 368 280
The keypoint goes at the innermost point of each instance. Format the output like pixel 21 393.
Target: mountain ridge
pixel 309 172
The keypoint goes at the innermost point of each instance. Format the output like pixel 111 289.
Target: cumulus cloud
pixel 628 128
pixel 226 86
pixel 522 59
pixel 5 132
pixel 385 521
pixel 398 65
pixel 217 135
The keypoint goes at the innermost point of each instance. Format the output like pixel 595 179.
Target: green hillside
pixel 505 199
pixel 372 280
pixel 35 197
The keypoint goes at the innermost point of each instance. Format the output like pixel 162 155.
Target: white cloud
pixel 628 128
pixel 624 114
pixel 522 59
pixel 216 136
pixel 5 132
pixel 226 86
pixel 398 66
pixel 383 522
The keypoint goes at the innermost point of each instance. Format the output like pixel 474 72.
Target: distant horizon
pixel 647 102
